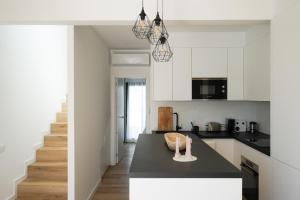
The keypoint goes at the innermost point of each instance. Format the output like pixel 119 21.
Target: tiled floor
pixel 115 182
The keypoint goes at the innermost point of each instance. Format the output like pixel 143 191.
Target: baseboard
pixel 90 197
pixel 24 176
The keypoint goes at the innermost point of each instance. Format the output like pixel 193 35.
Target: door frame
pixel 136 72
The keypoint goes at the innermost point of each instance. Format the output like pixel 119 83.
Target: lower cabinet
pixel 265 167
pixel 225 147
pixel 232 150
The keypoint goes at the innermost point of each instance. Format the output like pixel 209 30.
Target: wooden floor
pixel 115 182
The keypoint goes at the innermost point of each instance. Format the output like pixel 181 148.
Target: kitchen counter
pixel 262 143
pixel 153 159
pixel 155 175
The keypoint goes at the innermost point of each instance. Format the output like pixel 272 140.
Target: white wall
pixel 201 112
pixel 71 136
pixel 92 110
pixel 33 81
pixel 207 39
pixel 285 98
pixel 263 116
pixel 124 11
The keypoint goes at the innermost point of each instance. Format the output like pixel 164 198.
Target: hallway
pixel 115 182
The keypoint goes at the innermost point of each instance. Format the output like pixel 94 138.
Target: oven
pixel 250 178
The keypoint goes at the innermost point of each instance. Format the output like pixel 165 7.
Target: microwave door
pixel 209 89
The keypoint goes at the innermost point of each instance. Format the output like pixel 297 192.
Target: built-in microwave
pixel 209 88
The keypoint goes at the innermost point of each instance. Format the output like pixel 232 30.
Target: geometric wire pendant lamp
pixel 156 29
pixel 162 51
pixel 141 27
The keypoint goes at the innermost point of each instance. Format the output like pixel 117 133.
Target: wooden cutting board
pixel 165 118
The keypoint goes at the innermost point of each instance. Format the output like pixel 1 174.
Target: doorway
pixel 131 95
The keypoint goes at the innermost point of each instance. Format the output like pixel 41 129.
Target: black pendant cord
pixel 157 18
pixel 162 17
pixel 143 14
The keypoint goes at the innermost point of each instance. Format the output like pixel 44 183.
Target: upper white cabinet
pixel 257 70
pixel 247 70
pixel 235 81
pixel 162 81
pixel 209 62
pixel 182 74
pixel 172 81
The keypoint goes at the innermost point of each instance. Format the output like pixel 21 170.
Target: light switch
pixel 2 148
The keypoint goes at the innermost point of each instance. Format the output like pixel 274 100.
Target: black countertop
pixel 261 143
pixel 153 159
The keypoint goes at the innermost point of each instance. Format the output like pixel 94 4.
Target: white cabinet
pixel 232 150
pixel 235 81
pixel 225 147
pixel 257 70
pixel 211 143
pixel 209 62
pixel 162 81
pixel 172 81
pixel 182 74
pixel 247 71
pixel 264 167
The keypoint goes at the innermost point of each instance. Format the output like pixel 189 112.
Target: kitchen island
pixel 154 175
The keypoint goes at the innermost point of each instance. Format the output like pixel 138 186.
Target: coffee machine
pixel 230 125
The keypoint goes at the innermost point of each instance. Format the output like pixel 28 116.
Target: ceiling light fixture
pixel 162 51
pixel 156 29
pixel 142 25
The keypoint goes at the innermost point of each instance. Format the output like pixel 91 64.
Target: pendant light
pixel 156 29
pixel 162 51
pixel 142 25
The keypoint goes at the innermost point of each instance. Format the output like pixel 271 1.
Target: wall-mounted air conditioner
pixel 130 58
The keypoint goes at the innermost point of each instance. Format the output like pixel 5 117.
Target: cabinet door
pixel 257 70
pixel 225 147
pixel 182 74
pixel 162 81
pixel 235 74
pixel 211 143
pixel 209 62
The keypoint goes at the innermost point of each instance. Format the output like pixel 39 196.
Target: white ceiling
pixel 121 36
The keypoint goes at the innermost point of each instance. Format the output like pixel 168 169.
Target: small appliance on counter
pixel 253 127
pixel 195 129
pixel 213 127
pixel 230 125
pixel 240 126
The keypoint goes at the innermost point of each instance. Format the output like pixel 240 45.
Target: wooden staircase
pixel 48 177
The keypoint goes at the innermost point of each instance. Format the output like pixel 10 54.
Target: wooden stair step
pixel 56 140
pixel 42 190
pixel 52 154
pixel 59 128
pixel 62 117
pixel 64 107
pixel 48 171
